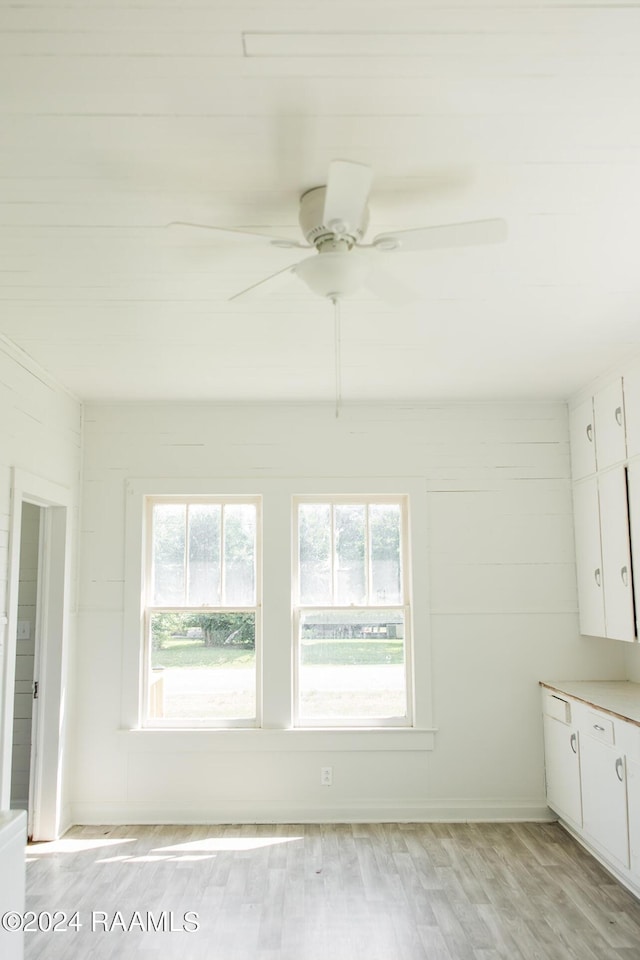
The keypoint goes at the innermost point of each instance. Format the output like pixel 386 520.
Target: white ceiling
pixel 119 118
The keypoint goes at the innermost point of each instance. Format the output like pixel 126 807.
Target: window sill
pixel 149 740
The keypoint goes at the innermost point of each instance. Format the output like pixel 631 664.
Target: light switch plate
pixel 24 630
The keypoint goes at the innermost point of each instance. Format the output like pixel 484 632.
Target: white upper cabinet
pixel 616 555
pixel 586 514
pixel 633 494
pixel 597 431
pixel 582 437
pixel 603 556
pixel 605 463
pixel 632 411
pixel 608 409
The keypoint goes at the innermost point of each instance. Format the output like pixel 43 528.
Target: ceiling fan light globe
pixel 334 275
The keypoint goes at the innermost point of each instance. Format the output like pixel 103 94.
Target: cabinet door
pixel 604 798
pixel 562 770
pixel 632 411
pixel 633 800
pixel 633 493
pixel 608 411
pixel 582 440
pixel 616 555
pixel 586 518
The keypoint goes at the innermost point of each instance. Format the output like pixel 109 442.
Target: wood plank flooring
pixel 329 892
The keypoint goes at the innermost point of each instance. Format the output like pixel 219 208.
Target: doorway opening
pixel 25 699
pixel 33 692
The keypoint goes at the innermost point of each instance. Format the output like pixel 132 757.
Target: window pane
pixel 239 554
pixel 204 554
pixel 314 536
pixel 384 531
pixel 352 665
pixel 351 584
pixel 203 668
pixel 169 520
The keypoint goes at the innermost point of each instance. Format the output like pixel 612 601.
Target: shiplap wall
pixel 25 649
pixel 502 601
pixel 40 433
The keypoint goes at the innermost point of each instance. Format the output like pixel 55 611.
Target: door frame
pixel 48 738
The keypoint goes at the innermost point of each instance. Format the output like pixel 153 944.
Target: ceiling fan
pixel 334 219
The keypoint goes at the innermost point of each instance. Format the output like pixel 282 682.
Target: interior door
pixel 25 717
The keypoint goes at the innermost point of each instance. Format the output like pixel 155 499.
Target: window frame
pixel 277 731
pixel 298 608
pixel 150 608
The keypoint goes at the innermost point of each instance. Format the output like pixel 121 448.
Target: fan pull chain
pixel 336 340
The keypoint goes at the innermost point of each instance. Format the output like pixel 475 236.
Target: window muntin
pixel 203 554
pixel 202 621
pixel 352 618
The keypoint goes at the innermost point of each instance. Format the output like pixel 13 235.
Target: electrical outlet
pixel 326 776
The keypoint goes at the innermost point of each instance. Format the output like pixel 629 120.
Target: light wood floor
pixel 334 892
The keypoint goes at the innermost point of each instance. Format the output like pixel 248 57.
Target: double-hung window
pixel 336 609
pixel 201 612
pixel 352 617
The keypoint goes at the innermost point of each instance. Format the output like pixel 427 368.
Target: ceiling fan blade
pixel 449 235
pixel 387 287
pixel 273 240
pixel 346 196
pixel 271 281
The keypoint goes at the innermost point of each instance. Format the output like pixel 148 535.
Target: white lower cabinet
pixel 592 773
pixel 633 799
pixel 604 798
pixel 13 839
pixel 562 769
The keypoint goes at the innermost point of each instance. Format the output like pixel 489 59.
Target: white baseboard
pixel 440 810
pixel 66 820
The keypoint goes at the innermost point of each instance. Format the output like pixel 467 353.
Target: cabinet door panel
pixel 633 798
pixel 604 798
pixel 608 411
pixel 582 440
pixel 633 481
pixel 616 555
pixel 586 514
pixel 632 411
pixel 562 770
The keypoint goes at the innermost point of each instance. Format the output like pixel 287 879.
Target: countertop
pixel 618 697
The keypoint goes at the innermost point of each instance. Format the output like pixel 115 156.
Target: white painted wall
pixel 40 433
pixel 503 609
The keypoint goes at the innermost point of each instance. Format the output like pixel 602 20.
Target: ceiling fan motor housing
pixel 316 232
